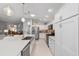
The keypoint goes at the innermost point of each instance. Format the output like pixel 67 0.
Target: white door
pixel 58 40
pixel 66 37
pixel 69 36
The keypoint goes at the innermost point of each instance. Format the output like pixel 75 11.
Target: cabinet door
pixel 32 45
pixel 69 9
pixel 58 40
pixel 69 35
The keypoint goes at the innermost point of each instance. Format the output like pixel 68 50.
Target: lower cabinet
pixel 51 44
pixel 66 37
pixel 32 45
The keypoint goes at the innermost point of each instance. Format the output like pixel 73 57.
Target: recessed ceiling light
pixel 28 23
pixel 32 15
pixel 50 10
pixel 23 19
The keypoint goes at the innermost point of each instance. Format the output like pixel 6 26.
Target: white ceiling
pixel 39 9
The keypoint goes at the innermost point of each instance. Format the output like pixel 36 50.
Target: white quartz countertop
pixel 12 47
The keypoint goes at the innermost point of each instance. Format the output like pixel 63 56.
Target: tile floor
pixel 41 49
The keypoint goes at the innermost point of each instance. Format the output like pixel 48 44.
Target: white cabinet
pixel 58 43
pixel 70 36
pixel 32 45
pixel 66 32
pixel 67 10
pixel 51 41
pixel 52 44
pixel 66 37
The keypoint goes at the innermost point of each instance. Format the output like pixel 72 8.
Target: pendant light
pixel 8 11
pixel 23 19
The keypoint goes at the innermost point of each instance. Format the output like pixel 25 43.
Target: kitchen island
pixel 13 47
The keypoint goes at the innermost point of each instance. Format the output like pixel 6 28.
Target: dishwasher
pixel 26 50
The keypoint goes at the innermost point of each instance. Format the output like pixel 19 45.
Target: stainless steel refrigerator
pixel 35 31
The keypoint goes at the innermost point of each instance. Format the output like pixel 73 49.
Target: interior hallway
pixel 41 49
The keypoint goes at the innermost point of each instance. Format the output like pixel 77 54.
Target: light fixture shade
pixel 5 30
pixel 23 19
pixel 8 11
pixel 50 10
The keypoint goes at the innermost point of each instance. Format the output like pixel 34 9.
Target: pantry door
pixel 69 29
pixel 58 40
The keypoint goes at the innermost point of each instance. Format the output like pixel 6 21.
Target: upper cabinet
pixel 66 11
pixel 69 10
pixel 66 32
